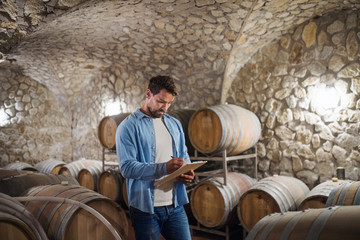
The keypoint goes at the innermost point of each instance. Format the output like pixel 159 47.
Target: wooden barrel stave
pixel 16 185
pixel 52 166
pixel 198 130
pixel 318 196
pixel 280 198
pixel 20 166
pixel 231 139
pixel 345 194
pixel 5 173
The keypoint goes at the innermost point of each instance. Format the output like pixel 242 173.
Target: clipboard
pixel 183 169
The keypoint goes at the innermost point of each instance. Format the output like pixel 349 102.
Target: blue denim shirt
pixel 135 145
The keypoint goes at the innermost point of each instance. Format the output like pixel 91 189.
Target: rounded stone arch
pixel 35 124
pixel 268 21
pixel 280 84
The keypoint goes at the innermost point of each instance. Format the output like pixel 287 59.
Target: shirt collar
pixel 139 114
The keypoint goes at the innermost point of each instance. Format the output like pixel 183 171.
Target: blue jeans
pixel 171 222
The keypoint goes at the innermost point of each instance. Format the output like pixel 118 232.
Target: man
pixel 151 144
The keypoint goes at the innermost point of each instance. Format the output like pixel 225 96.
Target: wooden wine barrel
pixel 88 177
pixel 20 166
pixel 107 130
pixel 73 168
pixel 318 196
pixel 213 204
pixel 113 185
pixel 224 127
pixel 270 195
pixel 52 166
pixel 15 185
pixel 18 223
pixel 345 194
pixel 340 222
pixel 184 116
pixel 69 221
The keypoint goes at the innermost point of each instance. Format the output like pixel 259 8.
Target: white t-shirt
pixel 163 195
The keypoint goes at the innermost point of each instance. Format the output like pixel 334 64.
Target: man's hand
pixel 174 164
pixel 186 177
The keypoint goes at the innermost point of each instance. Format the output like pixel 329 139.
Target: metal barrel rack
pixel 226 231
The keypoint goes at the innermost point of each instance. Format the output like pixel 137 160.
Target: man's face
pixel 158 104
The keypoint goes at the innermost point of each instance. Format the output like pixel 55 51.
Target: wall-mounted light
pixel 4 119
pixel 326 98
pixel 114 107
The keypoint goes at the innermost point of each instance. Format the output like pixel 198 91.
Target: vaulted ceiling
pixel 193 39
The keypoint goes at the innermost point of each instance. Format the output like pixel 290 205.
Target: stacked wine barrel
pixel 223 127
pixel 279 207
pixel 331 210
pixel 52 166
pixel 269 195
pixel 107 130
pixel 339 222
pixel 46 201
pixel 86 171
pixel 79 221
pixel 108 126
pixel 16 222
pixel 319 195
pixel 210 132
pixel 113 185
pixel 213 203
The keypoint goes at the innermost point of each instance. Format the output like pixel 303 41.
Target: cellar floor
pixel 196 235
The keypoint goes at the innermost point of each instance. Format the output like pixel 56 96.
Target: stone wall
pixel 281 83
pixel 83 64
pixel 34 126
pixel 268 21
pixel 18 18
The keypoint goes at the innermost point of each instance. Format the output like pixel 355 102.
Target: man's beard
pixel 155 114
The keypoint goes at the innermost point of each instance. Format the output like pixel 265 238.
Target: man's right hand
pixel 174 164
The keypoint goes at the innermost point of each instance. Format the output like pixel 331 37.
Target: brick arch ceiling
pixel 216 37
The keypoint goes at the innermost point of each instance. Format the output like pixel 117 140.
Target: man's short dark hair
pixel 162 82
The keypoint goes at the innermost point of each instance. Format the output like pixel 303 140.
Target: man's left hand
pixel 187 177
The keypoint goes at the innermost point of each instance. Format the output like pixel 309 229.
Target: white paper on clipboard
pixel 183 169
